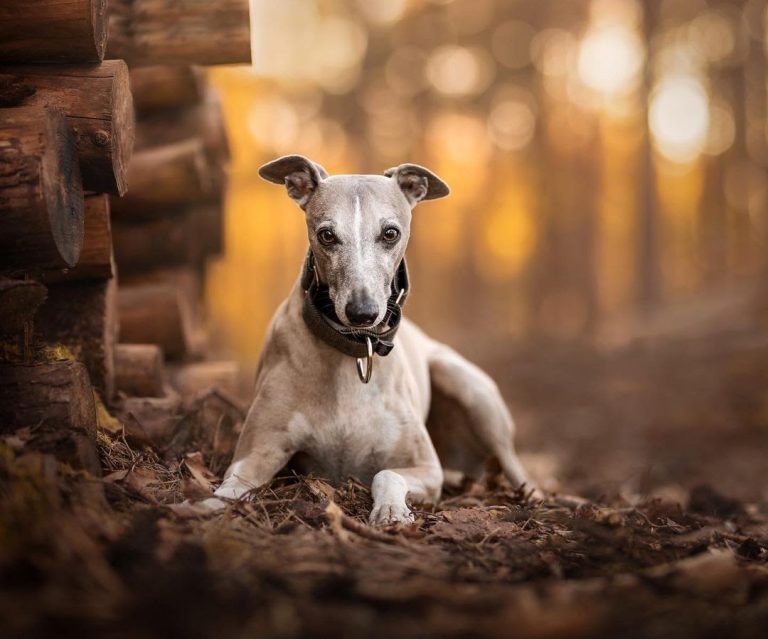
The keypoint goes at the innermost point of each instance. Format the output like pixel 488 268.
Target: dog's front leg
pixel 266 445
pixel 392 487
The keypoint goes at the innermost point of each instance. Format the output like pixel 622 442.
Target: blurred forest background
pixel 603 251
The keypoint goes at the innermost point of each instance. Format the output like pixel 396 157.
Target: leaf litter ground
pixel 114 557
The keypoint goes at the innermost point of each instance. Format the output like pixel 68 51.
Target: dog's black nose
pixel 361 311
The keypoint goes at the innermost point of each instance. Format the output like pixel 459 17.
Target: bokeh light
pixel 722 128
pixel 610 59
pixel 460 71
pixel 512 120
pixel 554 51
pixel 382 12
pixel 537 115
pixel 679 118
pixel 712 34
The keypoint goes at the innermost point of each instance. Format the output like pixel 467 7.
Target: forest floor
pixel 669 539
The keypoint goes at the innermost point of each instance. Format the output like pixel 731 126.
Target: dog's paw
pixel 383 514
pixel 213 504
pixel 198 508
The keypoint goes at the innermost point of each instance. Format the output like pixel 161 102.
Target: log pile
pixel 80 206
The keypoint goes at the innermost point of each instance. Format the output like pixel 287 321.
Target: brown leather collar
pixel 322 321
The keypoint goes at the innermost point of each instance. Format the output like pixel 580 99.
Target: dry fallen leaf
pixel 320 488
pixel 139 479
pixel 201 475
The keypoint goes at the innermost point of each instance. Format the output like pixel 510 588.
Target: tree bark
pixel 56 401
pixel 139 370
pixel 53 30
pixel 41 196
pixel 96 261
pixel 147 32
pixel 164 179
pixel 97 102
pixel 83 317
pixel 156 312
pixel 165 88
pixel 19 301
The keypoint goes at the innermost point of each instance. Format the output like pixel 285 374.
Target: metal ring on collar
pixel 365 373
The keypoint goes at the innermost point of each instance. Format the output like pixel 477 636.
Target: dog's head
pixel 358 228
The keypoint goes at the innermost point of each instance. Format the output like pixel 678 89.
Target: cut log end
pixel 96 261
pixel 156 313
pixel 41 195
pixel 99 24
pixel 164 178
pixel 123 127
pixel 55 400
pixel 53 31
pixel 83 317
pixel 96 99
pixel 195 378
pixel 65 205
pixel 139 370
pixel 19 301
pixel 58 394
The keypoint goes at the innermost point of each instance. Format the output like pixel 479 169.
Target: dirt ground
pixel 666 446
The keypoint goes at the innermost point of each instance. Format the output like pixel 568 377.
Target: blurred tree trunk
pixel 737 165
pixel 563 299
pixel 648 287
pixel 712 222
pixel 756 105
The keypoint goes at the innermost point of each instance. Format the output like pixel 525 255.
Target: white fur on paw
pixel 383 514
pixel 213 503
pixel 198 509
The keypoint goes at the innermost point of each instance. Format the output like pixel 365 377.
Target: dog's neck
pixel 328 328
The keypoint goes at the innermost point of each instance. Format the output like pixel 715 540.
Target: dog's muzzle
pixel 361 343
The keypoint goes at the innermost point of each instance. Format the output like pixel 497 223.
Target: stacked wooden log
pixel 66 136
pixel 170 223
pixel 78 205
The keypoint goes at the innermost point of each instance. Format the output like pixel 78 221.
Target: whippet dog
pixel 336 395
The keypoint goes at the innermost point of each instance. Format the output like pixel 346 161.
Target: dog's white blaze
pixel 359 227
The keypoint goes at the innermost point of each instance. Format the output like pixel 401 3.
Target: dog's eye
pixel 391 234
pixel 326 237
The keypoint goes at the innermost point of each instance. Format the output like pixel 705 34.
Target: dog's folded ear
pixel 417 183
pixel 299 174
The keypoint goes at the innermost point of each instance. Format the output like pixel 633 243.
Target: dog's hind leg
pixel 469 420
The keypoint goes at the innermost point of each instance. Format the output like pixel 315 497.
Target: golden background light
pixel 511 124
pixel 537 115
pixel 553 51
pixel 511 43
pixel 679 118
pixel 382 12
pixel 722 128
pixel 459 71
pixel 610 59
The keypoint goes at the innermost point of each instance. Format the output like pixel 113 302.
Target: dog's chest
pixel 356 441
